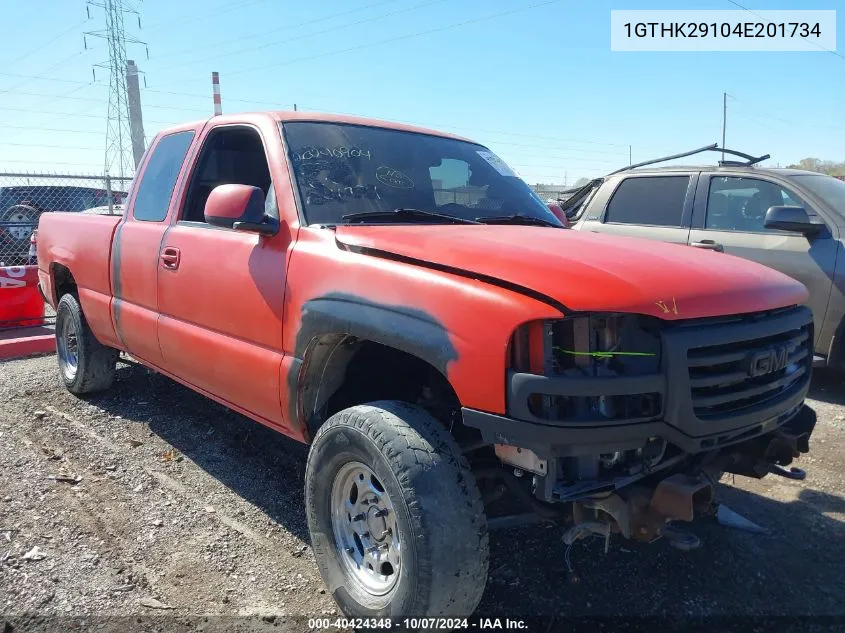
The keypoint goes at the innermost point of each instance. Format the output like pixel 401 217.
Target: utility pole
pixel 724 119
pixel 118 158
pixel 136 120
pixel 630 154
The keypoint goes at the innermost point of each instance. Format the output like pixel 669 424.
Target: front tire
pixel 396 520
pixel 85 364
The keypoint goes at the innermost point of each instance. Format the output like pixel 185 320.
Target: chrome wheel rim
pixel 68 349
pixel 365 530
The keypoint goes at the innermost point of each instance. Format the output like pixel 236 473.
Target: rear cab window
pixel 155 187
pixel 649 200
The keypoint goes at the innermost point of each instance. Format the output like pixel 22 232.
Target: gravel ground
pixel 150 499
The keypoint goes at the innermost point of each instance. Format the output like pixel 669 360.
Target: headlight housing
pixel 599 346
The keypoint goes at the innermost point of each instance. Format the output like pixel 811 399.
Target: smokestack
pixel 215 85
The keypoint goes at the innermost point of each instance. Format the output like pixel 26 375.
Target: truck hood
pixel 585 271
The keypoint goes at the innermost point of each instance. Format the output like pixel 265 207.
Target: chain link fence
pixel 24 197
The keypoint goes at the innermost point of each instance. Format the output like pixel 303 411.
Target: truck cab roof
pixel 283 116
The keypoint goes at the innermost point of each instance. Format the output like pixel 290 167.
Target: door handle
pixel 170 256
pixel 709 245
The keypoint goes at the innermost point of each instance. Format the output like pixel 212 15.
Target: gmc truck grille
pixel 729 378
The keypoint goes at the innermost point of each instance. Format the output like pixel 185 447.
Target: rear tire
pixel 419 546
pixel 85 364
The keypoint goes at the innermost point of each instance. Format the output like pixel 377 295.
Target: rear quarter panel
pixel 81 243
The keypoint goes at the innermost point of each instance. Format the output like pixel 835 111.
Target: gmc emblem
pixel 768 361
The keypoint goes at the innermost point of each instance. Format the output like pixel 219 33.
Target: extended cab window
pixel 229 156
pixel 159 177
pixel 343 169
pixel 650 200
pixel 740 204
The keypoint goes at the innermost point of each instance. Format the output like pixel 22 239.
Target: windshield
pixel 829 189
pixel 343 169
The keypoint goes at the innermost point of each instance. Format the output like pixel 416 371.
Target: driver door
pixel 728 216
pixel 221 291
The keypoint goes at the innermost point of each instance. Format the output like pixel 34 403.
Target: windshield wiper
pixel 405 213
pixel 517 218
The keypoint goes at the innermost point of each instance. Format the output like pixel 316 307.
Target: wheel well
pixel 63 281
pixel 343 371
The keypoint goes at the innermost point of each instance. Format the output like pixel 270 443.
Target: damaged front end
pixel 632 419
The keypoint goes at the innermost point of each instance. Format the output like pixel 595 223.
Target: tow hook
pixel 794 472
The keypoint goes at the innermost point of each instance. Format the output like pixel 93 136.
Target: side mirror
pixel 791 219
pixel 239 207
pixel 559 214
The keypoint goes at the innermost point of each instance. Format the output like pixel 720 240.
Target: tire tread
pixel 96 362
pixel 450 524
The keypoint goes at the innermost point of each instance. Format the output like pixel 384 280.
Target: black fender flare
pixel 344 316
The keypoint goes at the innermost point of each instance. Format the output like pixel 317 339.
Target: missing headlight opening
pixel 594 346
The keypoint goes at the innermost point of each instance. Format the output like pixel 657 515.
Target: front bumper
pixel 755 452
pixel 558 441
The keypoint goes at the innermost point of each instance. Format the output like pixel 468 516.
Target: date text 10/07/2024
pixel 433 624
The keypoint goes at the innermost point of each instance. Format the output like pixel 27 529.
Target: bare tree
pixel 829 167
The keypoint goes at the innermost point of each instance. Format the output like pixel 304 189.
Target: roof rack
pixel 749 160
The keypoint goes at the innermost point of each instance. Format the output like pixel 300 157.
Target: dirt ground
pixel 150 499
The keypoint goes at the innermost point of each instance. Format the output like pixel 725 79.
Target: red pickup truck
pixel 401 300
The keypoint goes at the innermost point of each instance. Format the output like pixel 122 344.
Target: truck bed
pixel 81 243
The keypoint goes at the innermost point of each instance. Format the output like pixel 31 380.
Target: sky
pixel 534 80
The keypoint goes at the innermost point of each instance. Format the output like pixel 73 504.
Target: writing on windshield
pixel 342 169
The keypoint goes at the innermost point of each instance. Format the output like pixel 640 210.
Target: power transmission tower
pixel 119 158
